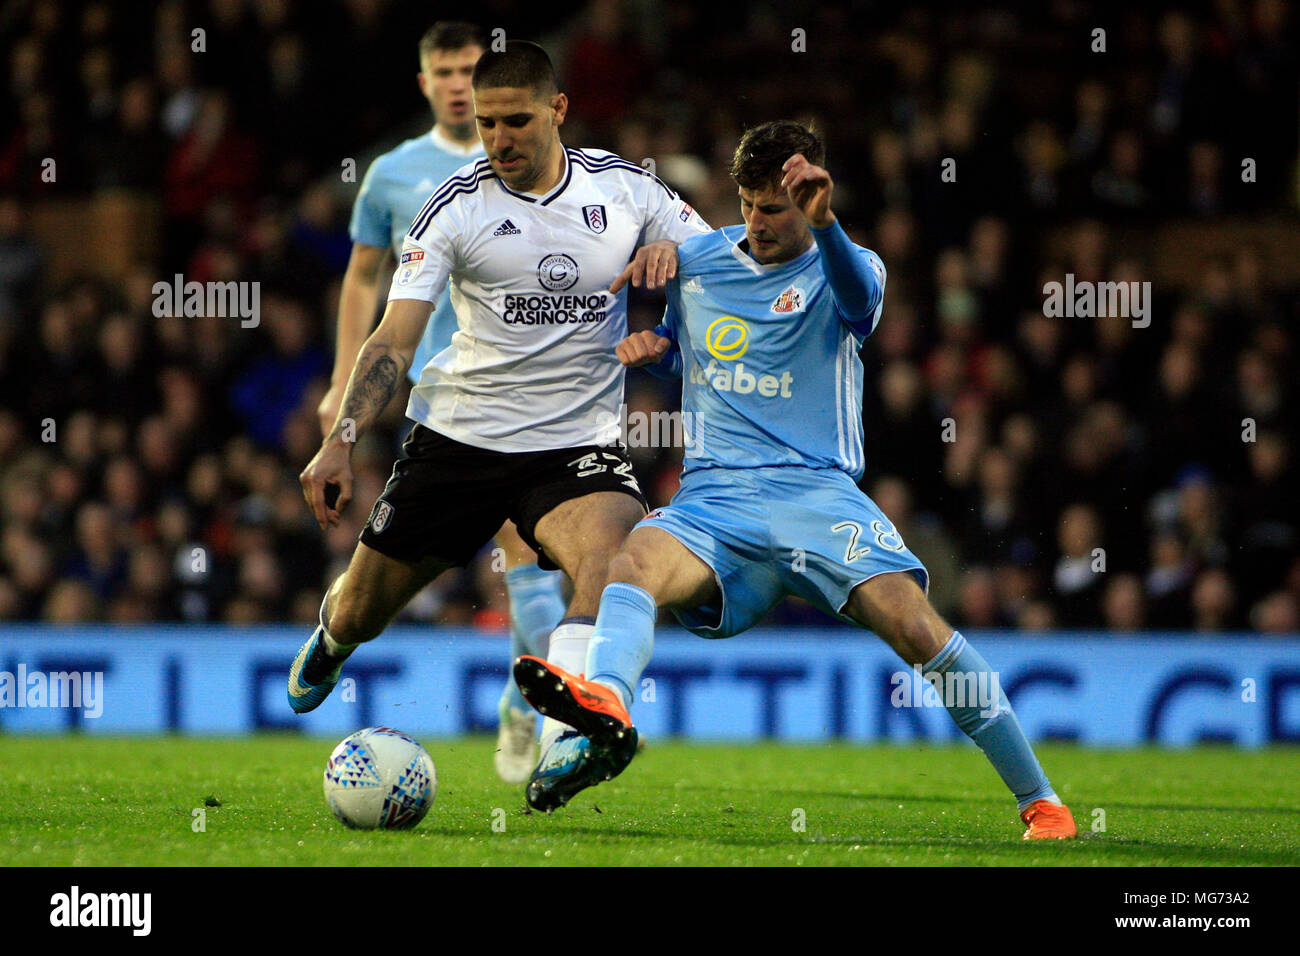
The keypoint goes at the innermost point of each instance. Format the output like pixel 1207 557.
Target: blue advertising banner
pixel 1106 690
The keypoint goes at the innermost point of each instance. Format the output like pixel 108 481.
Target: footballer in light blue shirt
pixel 394 189
pixel 763 324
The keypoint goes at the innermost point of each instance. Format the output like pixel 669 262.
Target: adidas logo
pixel 507 228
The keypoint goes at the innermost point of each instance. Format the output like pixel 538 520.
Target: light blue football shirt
pixel 769 353
pixel 393 191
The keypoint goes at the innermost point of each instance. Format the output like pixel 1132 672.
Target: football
pixel 380 779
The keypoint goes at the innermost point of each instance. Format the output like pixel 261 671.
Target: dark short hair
pixel 451 35
pixel 522 63
pixel 763 150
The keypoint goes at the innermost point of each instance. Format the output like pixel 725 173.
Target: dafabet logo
pixel 727 339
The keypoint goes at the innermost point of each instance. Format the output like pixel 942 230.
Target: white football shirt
pixel 531 366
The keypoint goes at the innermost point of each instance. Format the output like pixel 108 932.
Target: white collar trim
pixel 759 268
pixel 449 145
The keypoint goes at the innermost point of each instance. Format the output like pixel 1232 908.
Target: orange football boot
pixel 1049 821
pixel 591 709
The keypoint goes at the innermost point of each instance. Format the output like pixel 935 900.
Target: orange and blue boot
pixel 601 745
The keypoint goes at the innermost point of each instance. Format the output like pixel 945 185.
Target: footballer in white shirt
pixel 514 417
pixel 394 189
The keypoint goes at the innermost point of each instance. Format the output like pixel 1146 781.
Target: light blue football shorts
pixel 776 531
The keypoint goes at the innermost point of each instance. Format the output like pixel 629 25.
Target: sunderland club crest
pixel 791 300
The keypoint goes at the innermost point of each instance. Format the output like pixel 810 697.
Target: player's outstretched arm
pixel 856 280
pixel 384 359
pixel 356 316
pixel 377 375
pixel 654 264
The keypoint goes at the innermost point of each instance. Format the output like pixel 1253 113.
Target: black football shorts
pixel 446 499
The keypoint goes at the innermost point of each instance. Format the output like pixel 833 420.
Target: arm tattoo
pixel 372 385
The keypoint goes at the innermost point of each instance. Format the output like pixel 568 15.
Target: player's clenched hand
pixel 332 465
pixel 810 188
pixel 653 265
pixel 642 348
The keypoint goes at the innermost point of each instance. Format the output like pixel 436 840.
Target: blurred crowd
pixel 1051 472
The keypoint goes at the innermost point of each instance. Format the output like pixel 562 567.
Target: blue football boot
pixel 571 764
pixel 311 676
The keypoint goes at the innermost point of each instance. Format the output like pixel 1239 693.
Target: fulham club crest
pixel 382 514
pixel 594 217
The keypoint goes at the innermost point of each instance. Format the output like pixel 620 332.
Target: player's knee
pixel 517 552
pixel 594 567
pixel 918 634
pixel 628 567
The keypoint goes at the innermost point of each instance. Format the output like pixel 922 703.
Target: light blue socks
pixel 536 606
pixel 624 639
pixel 970 691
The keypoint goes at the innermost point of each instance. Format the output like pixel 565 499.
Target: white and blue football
pixel 380 779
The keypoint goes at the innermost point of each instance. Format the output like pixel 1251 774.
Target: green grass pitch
pixel 109 802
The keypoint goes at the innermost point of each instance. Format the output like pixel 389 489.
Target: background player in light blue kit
pixel 763 324
pixel 394 189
